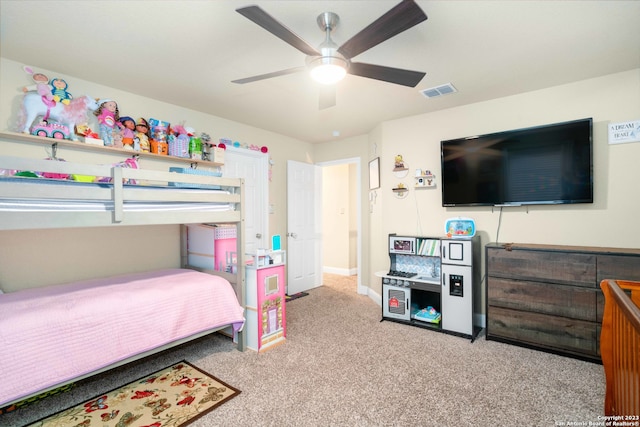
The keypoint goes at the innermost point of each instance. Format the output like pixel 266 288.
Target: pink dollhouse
pixel 265 275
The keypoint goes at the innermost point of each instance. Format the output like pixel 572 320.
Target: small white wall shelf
pixel 425 181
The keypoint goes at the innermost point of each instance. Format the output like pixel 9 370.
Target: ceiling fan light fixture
pixel 328 70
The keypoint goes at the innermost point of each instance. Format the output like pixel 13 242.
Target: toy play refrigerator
pixel 458 287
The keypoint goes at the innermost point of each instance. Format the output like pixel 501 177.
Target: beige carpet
pixel 341 366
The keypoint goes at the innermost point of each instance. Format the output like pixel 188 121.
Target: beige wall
pixel 87 253
pixel 609 221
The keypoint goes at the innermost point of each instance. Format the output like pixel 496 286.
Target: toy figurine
pixel 59 91
pixel 41 86
pixel 142 136
pixel 128 132
pixel 108 116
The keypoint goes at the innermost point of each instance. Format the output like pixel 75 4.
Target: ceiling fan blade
pixel 266 21
pixel 269 75
pixel 387 74
pixel 400 18
pixel 327 96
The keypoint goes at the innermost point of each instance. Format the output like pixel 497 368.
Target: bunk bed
pixel 40 350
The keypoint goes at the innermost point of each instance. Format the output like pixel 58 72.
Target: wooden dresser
pixel 548 297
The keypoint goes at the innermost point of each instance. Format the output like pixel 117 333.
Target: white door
pixel 304 226
pixel 253 166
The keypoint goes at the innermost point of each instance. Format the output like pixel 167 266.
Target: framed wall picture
pixel 374 173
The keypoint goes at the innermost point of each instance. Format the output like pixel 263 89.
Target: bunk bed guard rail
pixel 117 192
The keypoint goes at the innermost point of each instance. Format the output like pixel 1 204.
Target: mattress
pixel 55 334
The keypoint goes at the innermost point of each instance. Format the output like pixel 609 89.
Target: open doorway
pixel 341 224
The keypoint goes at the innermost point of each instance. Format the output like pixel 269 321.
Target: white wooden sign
pixel 620 133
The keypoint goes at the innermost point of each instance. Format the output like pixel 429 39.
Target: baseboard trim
pixel 375 297
pixel 340 271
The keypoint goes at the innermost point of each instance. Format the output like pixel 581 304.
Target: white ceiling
pixel 187 52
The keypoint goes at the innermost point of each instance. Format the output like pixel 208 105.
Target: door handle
pixel 293 235
pixel 258 236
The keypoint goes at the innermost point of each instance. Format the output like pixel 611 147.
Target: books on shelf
pixel 428 247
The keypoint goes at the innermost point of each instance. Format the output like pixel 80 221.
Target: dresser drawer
pixel 544 331
pixel 558 300
pixel 619 267
pixel 576 269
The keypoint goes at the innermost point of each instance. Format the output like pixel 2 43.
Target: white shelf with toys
pixel 28 138
pixel 51 115
pixel 425 179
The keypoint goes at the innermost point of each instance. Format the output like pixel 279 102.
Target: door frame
pixel 357 161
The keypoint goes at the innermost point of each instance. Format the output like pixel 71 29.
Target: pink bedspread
pixel 54 334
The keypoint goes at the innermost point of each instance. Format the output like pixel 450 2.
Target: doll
pixel 41 86
pixel 142 135
pixel 59 91
pixel 128 132
pixel 108 116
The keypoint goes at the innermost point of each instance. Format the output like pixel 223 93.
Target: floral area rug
pixel 172 397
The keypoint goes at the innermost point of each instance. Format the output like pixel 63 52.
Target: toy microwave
pixel 402 245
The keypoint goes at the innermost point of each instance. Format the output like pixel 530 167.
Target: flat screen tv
pixel 551 164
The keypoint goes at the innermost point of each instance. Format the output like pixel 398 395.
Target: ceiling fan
pixel 336 61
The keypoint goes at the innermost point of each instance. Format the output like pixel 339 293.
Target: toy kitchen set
pixel 434 282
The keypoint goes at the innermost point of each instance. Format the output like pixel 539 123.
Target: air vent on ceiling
pixel 444 89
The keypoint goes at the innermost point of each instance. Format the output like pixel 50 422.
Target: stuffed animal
pixel 33 105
